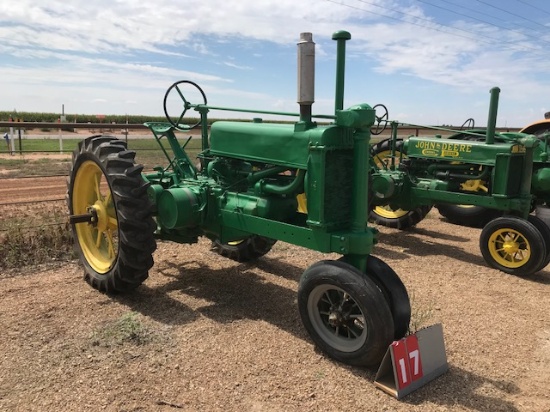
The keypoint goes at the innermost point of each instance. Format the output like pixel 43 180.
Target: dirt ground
pixel 208 334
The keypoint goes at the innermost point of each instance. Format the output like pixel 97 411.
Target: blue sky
pixel 428 61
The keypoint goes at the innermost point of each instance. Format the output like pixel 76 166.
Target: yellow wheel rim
pixel 388 213
pixel 302 203
pixel 383 160
pixel 91 194
pixel 509 248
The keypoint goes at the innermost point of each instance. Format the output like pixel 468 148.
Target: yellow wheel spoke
pixel 98 239
pixel 110 244
pixel 108 199
pixel 96 186
pixel 113 222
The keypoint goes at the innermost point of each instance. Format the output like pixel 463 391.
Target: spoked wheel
pixel 345 313
pixel 385 215
pixel 244 250
pixel 110 215
pixel 513 245
pixel 394 291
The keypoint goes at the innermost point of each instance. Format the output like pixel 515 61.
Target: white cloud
pixel 237 66
pixel 125 51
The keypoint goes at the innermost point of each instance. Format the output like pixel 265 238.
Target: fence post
pixel 12 136
pixel 60 137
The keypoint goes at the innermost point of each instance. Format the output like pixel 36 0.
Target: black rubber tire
pixel 384 215
pixel 135 225
pixel 545 232
pixel 530 240
pixel 245 250
pixel 381 151
pixel 394 291
pixel 464 215
pixel 355 302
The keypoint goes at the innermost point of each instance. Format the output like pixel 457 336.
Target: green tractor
pixel 248 192
pixel 476 216
pixel 469 214
pixel 497 172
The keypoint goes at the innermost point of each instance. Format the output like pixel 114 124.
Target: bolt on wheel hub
pixel 335 319
pixel 510 247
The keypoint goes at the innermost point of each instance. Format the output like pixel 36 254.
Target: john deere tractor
pixel 469 214
pixel 475 216
pixel 248 192
pixel 411 176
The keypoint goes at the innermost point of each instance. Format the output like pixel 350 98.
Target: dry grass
pixel 206 333
pixel 32 234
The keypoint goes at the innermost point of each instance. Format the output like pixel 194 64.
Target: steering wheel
pixel 468 124
pixel 380 119
pixel 177 88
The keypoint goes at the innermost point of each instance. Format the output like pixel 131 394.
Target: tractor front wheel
pixel 110 215
pixel 345 313
pixel 513 245
pixel 394 291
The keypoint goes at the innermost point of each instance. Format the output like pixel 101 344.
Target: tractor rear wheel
pixel 399 218
pixel 384 215
pixel 345 313
pixel 544 229
pixel 110 214
pixel 513 245
pixel 244 250
pixel 467 215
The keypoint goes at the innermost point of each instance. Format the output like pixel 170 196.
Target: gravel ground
pixel 207 334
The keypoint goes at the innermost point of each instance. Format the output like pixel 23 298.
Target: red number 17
pixel 406 355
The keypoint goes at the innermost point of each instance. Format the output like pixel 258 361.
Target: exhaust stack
pixel 306 75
